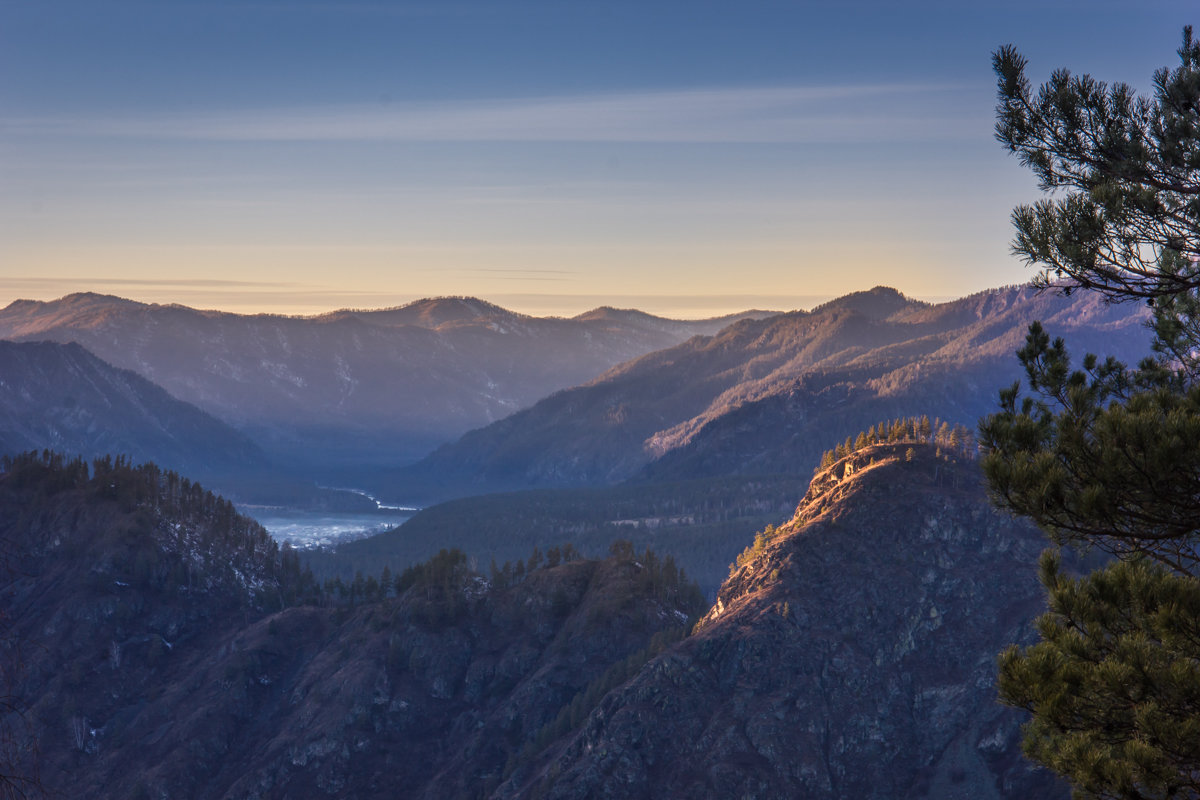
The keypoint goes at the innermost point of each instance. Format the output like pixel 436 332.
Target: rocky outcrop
pixel 852 654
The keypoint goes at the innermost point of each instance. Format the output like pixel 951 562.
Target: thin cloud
pixel 496 273
pixel 750 115
pixel 209 282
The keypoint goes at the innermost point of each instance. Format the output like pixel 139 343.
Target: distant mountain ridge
pixel 769 395
pixel 351 386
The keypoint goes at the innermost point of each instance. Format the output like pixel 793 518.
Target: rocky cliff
pixel 851 654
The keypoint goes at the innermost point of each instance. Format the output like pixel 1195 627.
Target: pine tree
pixel 1109 456
pixel 1114 685
pixel 943 433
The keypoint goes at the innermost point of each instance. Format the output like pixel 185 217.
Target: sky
pixel 687 158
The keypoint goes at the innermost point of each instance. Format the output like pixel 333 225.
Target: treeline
pixel 209 542
pixel 761 540
pixel 445 582
pixel 950 439
pixel 444 575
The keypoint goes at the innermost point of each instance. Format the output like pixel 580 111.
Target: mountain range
pixel 349 397
pixel 766 396
pixel 160 644
pixel 352 388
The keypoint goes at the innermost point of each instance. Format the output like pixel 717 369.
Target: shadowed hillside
pixel 61 397
pixel 170 648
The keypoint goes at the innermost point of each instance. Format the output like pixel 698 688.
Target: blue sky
pixel 687 158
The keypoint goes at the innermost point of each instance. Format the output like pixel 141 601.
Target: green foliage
pixel 1126 171
pixel 1105 455
pixel 437 587
pixel 761 540
pixel 956 440
pixel 1114 685
pixel 662 579
pixel 446 570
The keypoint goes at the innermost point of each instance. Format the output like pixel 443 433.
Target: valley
pixel 306 530
pixel 710 527
pixel 599 401
pixel 338 395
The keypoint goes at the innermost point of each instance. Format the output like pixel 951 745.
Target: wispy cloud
pixel 497 273
pixel 752 115
pixel 146 282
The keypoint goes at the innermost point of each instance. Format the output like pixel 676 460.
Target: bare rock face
pixel 852 654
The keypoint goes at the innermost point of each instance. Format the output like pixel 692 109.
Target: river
pixel 307 529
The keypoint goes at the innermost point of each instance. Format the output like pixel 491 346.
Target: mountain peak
pixel 82 309
pixel 868 476
pixel 77 301
pixel 612 312
pixel 431 312
pixel 879 302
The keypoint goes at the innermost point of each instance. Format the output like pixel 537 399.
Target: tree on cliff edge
pixel 1105 455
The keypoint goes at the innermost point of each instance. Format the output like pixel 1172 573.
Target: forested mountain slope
pixel 702 523
pixel 766 396
pixel 851 653
pixel 167 647
pixel 164 646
